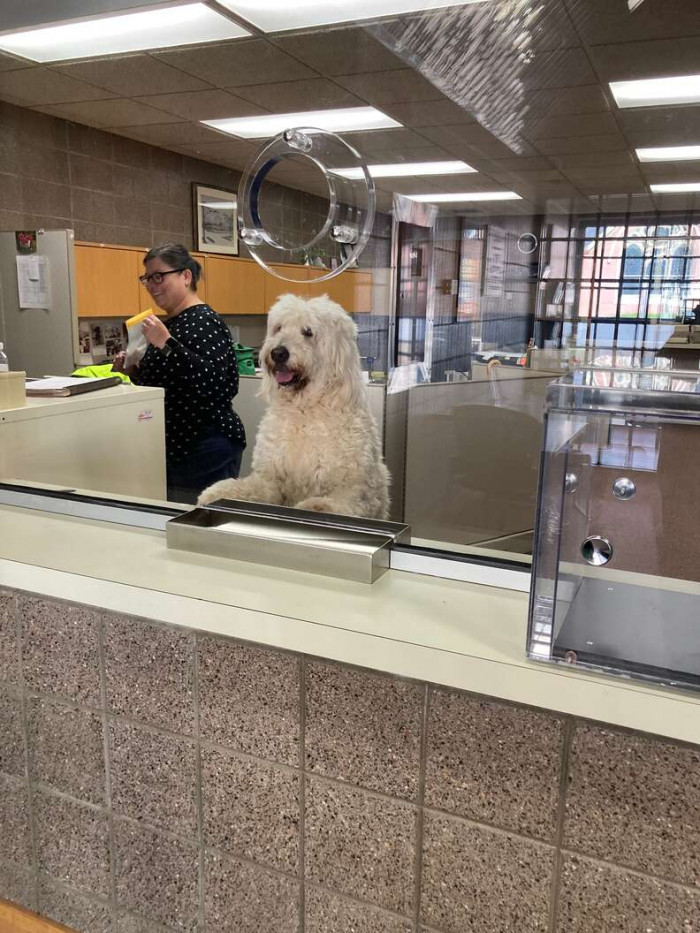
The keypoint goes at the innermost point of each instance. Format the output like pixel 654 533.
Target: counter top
pixel 443 631
pixel 40 406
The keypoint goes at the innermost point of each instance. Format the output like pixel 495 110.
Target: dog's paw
pixel 316 504
pixel 224 489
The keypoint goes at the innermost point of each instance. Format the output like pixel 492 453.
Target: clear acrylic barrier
pixel 616 583
pixel 332 237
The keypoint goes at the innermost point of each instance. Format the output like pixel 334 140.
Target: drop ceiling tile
pixel 340 51
pixel 202 105
pixel 568 144
pixel 479 182
pixel 616 186
pixel 428 113
pixel 526 164
pixel 538 175
pixel 408 186
pixel 390 87
pixel 558 69
pixel 599 22
pixel 471 139
pixel 661 172
pixel 10 63
pixel 661 126
pixel 32 86
pixel 589 98
pixel 660 58
pixel 677 202
pixel 288 96
pixel 109 113
pixel 133 75
pixel 387 145
pixel 566 161
pixel 584 124
pixel 238 63
pixel 424 153
pixel 543 26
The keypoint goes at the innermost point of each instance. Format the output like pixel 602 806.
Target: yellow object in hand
pixel 137 318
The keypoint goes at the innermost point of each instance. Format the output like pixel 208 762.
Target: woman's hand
pixel 155 331
pixel 118 364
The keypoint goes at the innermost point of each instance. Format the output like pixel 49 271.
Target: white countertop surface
pixel 446 632
pixel 41 406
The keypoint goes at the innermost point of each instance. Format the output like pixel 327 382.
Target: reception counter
pixel 191 743
pixel 111 440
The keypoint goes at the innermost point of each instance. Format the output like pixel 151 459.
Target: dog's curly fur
pixel 318 446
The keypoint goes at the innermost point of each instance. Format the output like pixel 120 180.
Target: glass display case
pixel 616 581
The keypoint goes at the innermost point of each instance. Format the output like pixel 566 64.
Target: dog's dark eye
pixel 276 330
pixel 307 332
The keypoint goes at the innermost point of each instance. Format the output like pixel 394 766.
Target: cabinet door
pixel 275 287
pixel 106 282
pixel 234 286
pixel 352 290
pixel 203 285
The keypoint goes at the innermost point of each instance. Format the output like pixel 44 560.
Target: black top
pixel 200 378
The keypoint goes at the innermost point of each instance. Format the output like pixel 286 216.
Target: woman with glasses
pixel 191 355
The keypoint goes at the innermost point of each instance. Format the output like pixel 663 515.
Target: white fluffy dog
pixel 318 446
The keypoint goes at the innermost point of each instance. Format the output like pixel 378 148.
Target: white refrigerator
pixel 44 340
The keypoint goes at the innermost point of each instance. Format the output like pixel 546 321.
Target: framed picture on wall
pixel 215 220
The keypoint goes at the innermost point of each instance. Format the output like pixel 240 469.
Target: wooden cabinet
pixel 108 284
pixel 275 287
pixel 235 286
pixel 351 289
pixel 106 281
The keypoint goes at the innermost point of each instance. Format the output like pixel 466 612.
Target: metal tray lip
pixel 376 542
pixel 367 526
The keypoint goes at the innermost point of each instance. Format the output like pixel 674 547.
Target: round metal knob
pixel 624 488
pixel 596 550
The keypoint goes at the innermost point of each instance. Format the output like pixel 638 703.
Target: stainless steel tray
pixel 332 545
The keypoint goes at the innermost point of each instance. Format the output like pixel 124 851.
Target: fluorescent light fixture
pixel 657 92
pixel 669 154
pixel 183 24
pixel 344 120
pixel 682 188
pixel 276 15
pixel 466 196
pixel 403 169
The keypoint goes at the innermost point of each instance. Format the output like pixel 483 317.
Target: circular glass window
pixel 324 223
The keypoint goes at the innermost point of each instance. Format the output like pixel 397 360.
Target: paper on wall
pixel 33 283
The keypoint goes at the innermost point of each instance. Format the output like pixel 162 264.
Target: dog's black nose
pixel 280 355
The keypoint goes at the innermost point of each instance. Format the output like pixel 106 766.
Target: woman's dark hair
pixel 178 257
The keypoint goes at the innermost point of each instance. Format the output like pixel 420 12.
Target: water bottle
pixel 4 365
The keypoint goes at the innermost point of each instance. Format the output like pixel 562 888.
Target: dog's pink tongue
pixel 284 376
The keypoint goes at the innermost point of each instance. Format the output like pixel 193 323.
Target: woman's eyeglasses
pixel 156 278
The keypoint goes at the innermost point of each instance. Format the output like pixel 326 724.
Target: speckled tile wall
pixel 155 780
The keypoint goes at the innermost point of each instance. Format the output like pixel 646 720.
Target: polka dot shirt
pixel 200 378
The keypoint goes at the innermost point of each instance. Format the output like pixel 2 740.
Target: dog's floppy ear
pixel 343 370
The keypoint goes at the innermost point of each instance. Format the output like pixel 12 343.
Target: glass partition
pixel 519 232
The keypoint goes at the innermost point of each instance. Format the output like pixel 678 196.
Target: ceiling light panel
pixel 408 169
pixel 657 92
pixel 277 15
pixel 669 154
pixel 682 188
pixel 466 196
pixel 344 120
pixel 165 27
